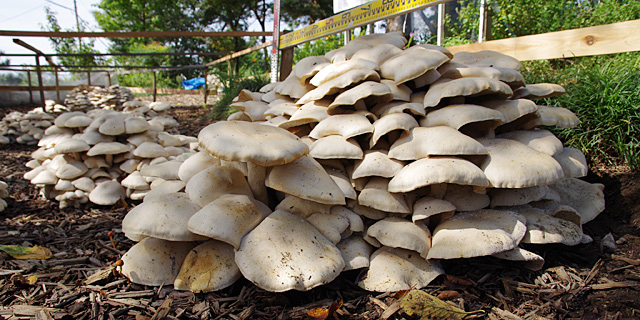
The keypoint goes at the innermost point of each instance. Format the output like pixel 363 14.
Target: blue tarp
pixel 194 83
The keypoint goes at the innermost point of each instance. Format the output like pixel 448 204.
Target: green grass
pixel 604 92
pixel 221 110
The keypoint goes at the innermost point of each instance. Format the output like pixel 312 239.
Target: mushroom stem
pixel 256 176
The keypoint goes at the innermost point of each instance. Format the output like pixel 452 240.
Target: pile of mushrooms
pixel 24 128
pixel 372 156
pixel 83 98
pixel 103 155
pixel 4 192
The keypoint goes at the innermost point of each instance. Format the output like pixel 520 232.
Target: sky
pixel 29 15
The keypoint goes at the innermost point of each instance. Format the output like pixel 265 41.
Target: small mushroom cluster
pixel 372 156
pixel 103 155
pixel 83 98
pixel 4 192
pixel 24 128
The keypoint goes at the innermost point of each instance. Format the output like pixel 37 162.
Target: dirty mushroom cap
pixel 466 198
pixel 586 198
pixel 511 109
pixel 155 262
pixel 285 252
pixel 331 225
pixel 506 197
pixel 301 207
pixel 531 260
pixel 543 228
pixel 343 182
pixel 412 63
pixel 539 91
pixel 210 266
pixel 465 87
pixel 360 97
pixel 375 195
pixel 309 66
pixel 487 58
pixel 335 147
pixel 399 122
pixel 428 207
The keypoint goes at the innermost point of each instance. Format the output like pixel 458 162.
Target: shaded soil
pixel 80 282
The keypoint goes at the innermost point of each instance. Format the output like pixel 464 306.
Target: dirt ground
pixel 79 282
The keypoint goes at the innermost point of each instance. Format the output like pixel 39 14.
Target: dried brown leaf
pixel 426 306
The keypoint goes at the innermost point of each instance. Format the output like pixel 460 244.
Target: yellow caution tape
pixel 358 16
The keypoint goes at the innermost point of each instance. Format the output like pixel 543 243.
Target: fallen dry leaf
pixel 426 306
pixel 324 313
pixel 24 253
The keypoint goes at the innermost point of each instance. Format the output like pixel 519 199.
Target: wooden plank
pixel 133 34
pixel 240 53
pixel 604 39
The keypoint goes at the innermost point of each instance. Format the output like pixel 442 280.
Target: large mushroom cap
pixel 285 252
pixel 155 262
pixel 251 142
pixel 208 267
pixel 477 233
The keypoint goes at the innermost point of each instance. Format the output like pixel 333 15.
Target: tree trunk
pixel 396 23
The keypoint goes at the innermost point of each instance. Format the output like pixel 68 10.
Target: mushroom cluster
pixel 103 155
pixel 83 98
pixel 372 156
pixel 4 192
pixel 24 128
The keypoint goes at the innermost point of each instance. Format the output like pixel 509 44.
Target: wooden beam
pixel 240 53
pixel 133 34
pixel 604 39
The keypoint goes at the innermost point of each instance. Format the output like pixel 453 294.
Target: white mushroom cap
pixel 394 269
pixel 71 145
pixel 511 109
pixel 335 70
pixel 301 207
pixel 540 140
pixel 543 228
pixel 400 122
pixel 361 97
pixel 84 184
pixel 477 233
pixel 355 252
pixel 155 262
pixel 428 207
pixel 331 225
pixel 228 218
pixel 149 150
pixel 335 147
pixel 71 169
pixel 531 260
pixel 251 142
pixel 428 171
pixel 511 164
pixel 208 267
pixel 135 125
pixel 214 182
pixel 163 217
pixel 135 181
pixel 516 196
pixel 196 163
pixel 309 66
pixel 573 163
pixel 465 198
pixel 305 178
pixel 539 91
pixel 107 193
pixel 346 125
pixel 375 195
pixel 586 198
pixel 459 116
pixel 343 182
pixel 465 87
pixel 412 63
pixel 335 85
pixel 376 163
pixel 400 233
pixel 422 142
pixel 167 170
pixel 107 148
pixel 487 58
pixel 377 54
pixel 285 252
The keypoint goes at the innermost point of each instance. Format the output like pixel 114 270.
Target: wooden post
pixel 440 35
pixel 30 89
pixel 154 86
pixel 109 78
pixel 89 77
pixel 39 78
pixel 55 70
pixel 206 87
pixel 482 31
pixel 286 65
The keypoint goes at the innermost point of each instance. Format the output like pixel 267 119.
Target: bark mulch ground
pixel 81 282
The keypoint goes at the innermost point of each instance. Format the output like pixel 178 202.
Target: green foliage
pixel 514 18
pixel 604 92
pixel 232 88
pixel 302 12
pixel 71 45
pixel 317 47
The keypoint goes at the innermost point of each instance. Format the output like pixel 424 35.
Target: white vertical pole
pixel 440 23
pixel 276 41
pixel 483 16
